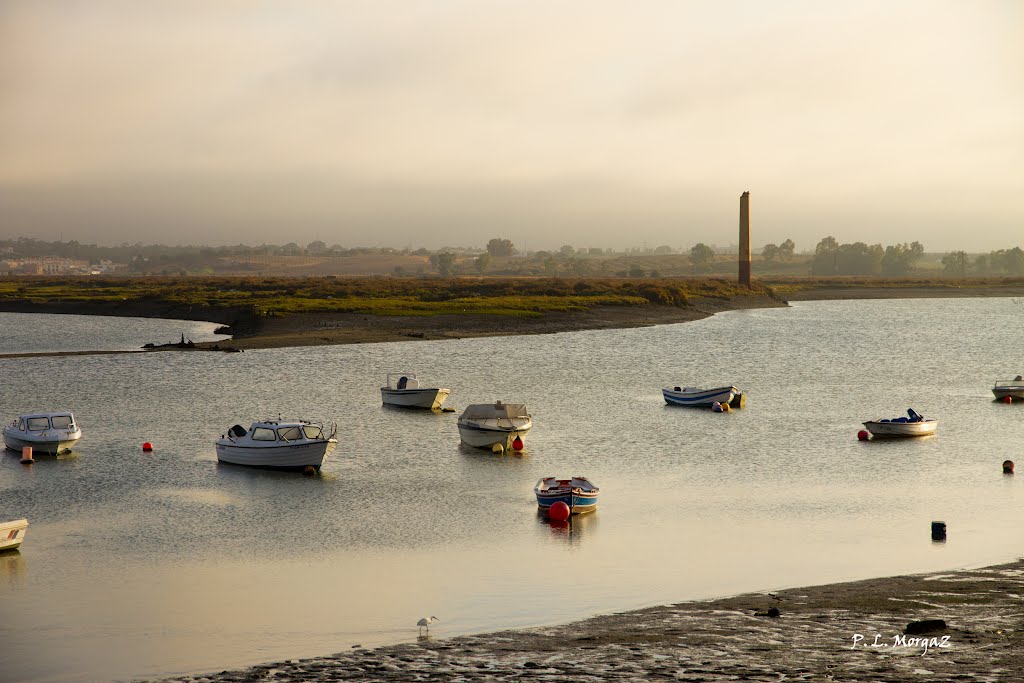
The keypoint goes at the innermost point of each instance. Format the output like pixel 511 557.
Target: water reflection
pixel 571 531
pixel 13 567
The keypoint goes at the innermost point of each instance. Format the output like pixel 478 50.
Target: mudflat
pixel 948 626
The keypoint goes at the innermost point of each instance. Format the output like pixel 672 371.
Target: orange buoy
pixel 863 435
pixel 559 511
pixel 147 447
pixel 517 443
pixel 26 455
pixel 1007 467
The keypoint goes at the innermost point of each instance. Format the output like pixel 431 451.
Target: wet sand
pixel 841 632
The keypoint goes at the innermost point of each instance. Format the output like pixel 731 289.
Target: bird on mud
pixel 425 622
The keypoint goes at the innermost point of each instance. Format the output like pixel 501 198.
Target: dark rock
pixel 532 665
pixel 925 626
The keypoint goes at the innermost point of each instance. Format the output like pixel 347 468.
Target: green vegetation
pixel 784 286
pixel 368 296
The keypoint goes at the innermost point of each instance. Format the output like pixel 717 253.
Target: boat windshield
pixel 38 424
pixel 313 432
pixel 61 421
pixel 290 433
pixel 263 434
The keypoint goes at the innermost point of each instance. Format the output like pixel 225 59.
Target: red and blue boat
pixel 578 493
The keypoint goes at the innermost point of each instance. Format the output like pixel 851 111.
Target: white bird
pixel 425 622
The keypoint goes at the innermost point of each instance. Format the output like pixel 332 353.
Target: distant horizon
pixel 420 122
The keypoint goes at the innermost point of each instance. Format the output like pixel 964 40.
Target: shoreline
pixel 859 631
pixel 332 328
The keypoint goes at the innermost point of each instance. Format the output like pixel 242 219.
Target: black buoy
pixel 1007 467
pixel 938 531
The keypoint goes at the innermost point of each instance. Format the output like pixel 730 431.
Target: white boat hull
pixel 482 436
pixel 899 429
pixel 12 534
pixel 414 398
pixel 48 445
pixel 290 457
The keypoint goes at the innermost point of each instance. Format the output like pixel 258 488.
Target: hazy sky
pixel 448 122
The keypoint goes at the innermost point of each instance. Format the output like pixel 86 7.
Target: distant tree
pixel 566 250
pixel 770 252
pixel 701 256
pixel 1013 261
pixel 579 266
pixel 316 247
pixel 663 249
pixel 482 262
pixel 826 257
pixel 550 265
pixel 444 262
pixel 501 247
pixel 982 264
pixel 786 249
pixel 637 271
pixel 859 259
pixel 955 263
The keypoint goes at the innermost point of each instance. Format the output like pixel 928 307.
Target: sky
pixel 430 123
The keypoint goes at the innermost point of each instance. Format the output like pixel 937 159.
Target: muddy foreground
pixel 841 632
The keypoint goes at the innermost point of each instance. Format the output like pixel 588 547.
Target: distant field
pixel 787 285
pixel 282 296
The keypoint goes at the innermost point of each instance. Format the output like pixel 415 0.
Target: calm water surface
pixel 46 332
pixel 149 564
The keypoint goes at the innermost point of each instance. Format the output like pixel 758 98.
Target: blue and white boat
pixel 578 493
pixel 912 425
pixel 702 398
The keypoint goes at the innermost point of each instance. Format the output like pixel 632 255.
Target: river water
pixel 141 564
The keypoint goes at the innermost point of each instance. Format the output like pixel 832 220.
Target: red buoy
pixel 517 444
pixel 1007 399
pixel 1007 467
pixel 558 511
pixel 147 447
pixel 863 435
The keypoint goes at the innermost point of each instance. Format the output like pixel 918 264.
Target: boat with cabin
pixel 402 389
pixel 482 425
pixel 278 444
pixel 47 433
pixel 578 493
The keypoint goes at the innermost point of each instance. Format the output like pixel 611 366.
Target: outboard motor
pixel 237 431
pixel 914 415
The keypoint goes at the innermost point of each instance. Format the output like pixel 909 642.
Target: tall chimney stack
pixel 744 257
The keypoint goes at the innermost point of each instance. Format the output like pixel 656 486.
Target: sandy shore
pixel 840 632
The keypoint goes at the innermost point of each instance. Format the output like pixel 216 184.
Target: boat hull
pixel 414 398
pixel 479 436
pixel 12 534
pixel 578 503
pixel 901 429
pixel 289 457
pixel 699 399
pixel 16 441
pixel 1012 392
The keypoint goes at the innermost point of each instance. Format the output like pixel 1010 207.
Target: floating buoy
pixel 938 531
pixel 863 435
pixel 1007 467
pixel 1007 399
pixel 26 455
pixel 147 447
pixel 497 448
pixel 517 444
pixel 726 408
pixel 559 511
pixel 309 470
pixel 716 407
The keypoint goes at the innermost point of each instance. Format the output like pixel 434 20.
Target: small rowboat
pixel 701 398
pixel 12 534
pixel 914 425
pixel 578 493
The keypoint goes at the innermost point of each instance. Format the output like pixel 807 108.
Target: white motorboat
pixel 278 444
pixel 47 433
pixel 913 425
pixel 405 391
pixel 482 425
pixel 704 398
pixel 12 534
pixel 1013 388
